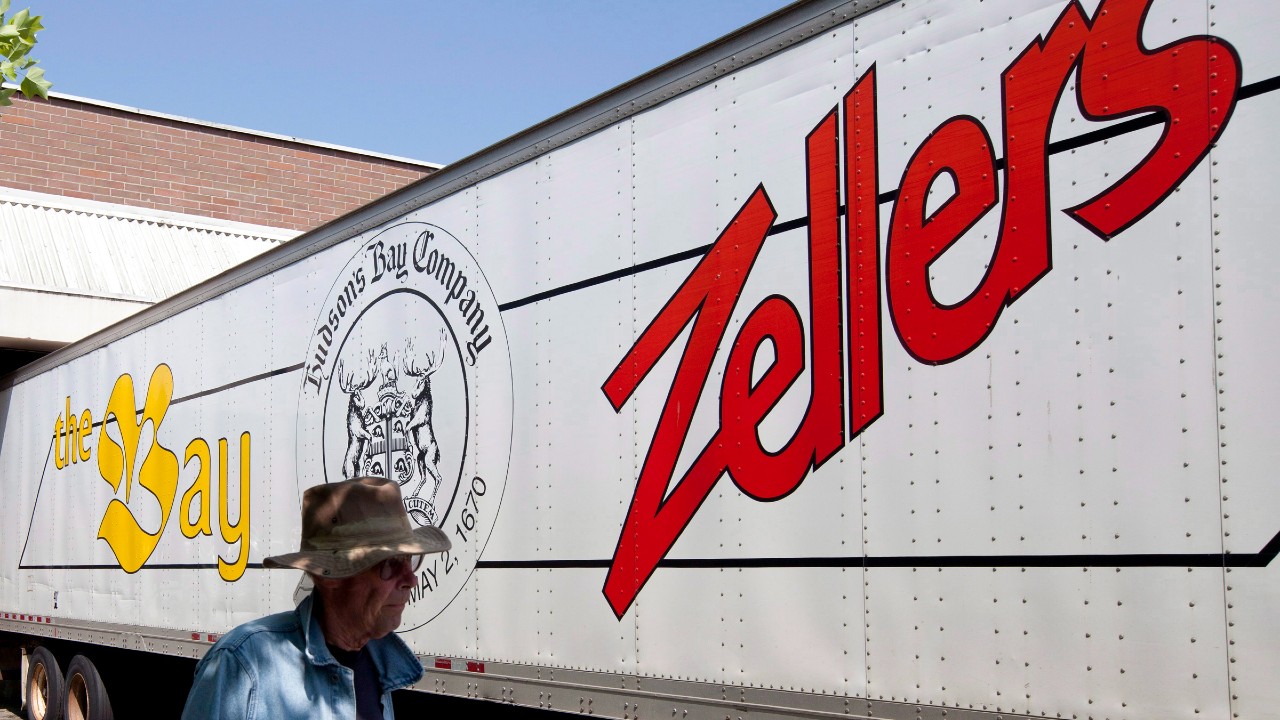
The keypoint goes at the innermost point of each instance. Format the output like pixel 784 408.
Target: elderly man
pixel 335 655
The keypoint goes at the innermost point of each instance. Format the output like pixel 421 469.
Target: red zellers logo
pixel 1190 85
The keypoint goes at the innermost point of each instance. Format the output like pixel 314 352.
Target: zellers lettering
pixel 1114 78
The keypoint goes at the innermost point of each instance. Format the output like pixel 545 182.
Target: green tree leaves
pixel 17 37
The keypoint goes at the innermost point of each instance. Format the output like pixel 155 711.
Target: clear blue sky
pixel 429 80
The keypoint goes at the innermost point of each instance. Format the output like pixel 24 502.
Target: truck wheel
pixel 44 686
pixel 86 695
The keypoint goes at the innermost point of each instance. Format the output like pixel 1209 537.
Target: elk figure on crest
pixel 424 453
pixel 358 436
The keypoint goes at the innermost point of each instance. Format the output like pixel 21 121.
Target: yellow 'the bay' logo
pixel 132 459
pixel 131 543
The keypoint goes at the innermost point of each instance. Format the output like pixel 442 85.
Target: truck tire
pixel 86 695
pixel 44 694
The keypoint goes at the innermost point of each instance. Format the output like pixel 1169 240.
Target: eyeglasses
pixel 394 566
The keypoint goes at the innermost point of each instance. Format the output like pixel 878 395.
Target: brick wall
pixel 82 150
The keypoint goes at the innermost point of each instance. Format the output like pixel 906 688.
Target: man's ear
pixel 324 582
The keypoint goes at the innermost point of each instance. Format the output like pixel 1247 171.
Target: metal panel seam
pixel 1218 410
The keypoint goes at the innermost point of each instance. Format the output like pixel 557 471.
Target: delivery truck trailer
pixel 881 359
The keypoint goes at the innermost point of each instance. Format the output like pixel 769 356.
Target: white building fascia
pixel 70 267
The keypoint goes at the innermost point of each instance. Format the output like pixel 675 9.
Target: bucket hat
pixel 350 526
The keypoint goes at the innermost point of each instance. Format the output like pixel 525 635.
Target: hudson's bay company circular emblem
pixel 408 376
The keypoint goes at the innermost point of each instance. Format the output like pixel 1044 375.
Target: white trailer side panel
pixel 571 350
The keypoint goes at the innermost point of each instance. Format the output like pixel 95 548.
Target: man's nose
pixel 407 577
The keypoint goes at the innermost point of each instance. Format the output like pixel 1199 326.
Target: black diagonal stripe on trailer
pixel 1259 88
pixel 1121 128
pixel 212 391
pixel 1119 560
pixel 238 383
pixel 31 521
pixel 148 566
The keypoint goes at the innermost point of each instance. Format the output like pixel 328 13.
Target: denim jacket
pixel 271 668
